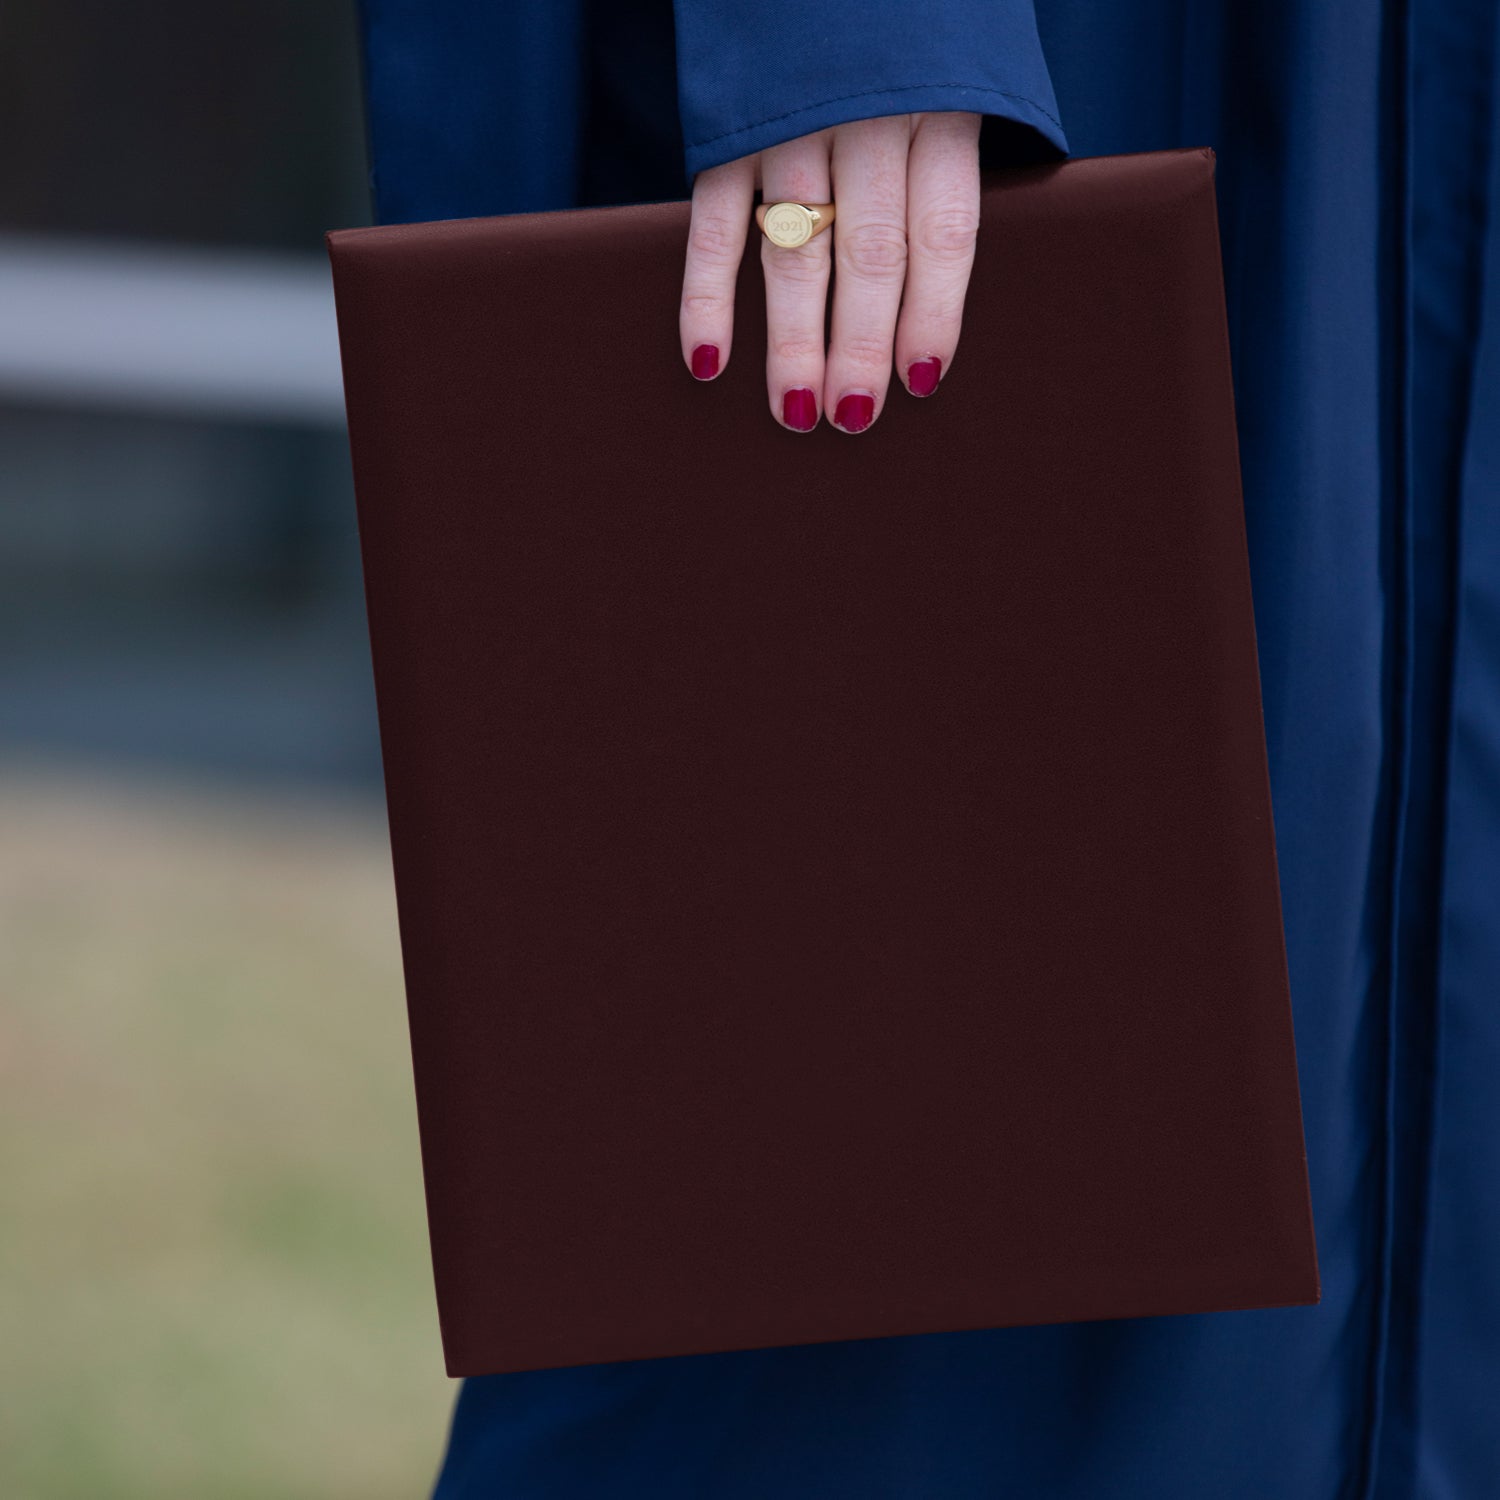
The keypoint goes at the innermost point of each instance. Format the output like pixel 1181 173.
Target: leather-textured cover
pixel 835 874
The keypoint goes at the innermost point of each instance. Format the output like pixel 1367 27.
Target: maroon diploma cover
pixel 836 879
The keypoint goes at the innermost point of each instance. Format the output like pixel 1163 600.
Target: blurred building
pixel 216 1278
pixel 179 581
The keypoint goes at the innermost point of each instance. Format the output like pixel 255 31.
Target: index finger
pixel 942 196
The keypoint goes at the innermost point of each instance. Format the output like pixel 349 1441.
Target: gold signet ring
pixel 793 224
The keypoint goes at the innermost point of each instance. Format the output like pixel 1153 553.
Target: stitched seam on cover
pixel 973 88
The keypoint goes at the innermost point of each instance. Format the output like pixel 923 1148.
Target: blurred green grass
pixel 214 1275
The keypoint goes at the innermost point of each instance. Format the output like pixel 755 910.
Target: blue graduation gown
pixel 1359 172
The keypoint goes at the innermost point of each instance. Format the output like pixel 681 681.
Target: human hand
pixel 907 195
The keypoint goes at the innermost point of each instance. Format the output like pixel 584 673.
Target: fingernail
pixel 855 411
pixel 922 375
pixel 799 409
pixel 706 361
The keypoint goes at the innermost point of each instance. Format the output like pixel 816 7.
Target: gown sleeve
pixel 754 73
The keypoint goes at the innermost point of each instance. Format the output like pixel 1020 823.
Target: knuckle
pixel 801 266
pixel 798 275
pixel 867 350
pixel 876 251
pixel 796 348
pixel 938 308
pixel 714 240
pixel 704 306
pixel 948 233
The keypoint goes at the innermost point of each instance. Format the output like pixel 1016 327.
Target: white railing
pixel 154 327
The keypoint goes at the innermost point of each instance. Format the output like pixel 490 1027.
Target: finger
pixel 869 256
pixel 796 283
pixel 717 230
pixel 942 224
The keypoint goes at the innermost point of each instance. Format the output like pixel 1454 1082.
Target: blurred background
pixel 213 1261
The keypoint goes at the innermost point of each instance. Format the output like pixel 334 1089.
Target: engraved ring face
pixel 788 225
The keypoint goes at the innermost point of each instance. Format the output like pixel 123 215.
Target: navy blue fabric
pixel 1359 180
pixel 480 107
pixel 1444 1375
pixel 752 75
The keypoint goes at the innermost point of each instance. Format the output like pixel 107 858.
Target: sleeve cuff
pixel 904 99
pixel 760 72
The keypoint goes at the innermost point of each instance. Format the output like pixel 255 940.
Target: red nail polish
pixel 799 409
pixel 922 375
pixel 855 411
pixel 706 361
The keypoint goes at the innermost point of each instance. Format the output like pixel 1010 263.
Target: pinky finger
pixel 717 231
